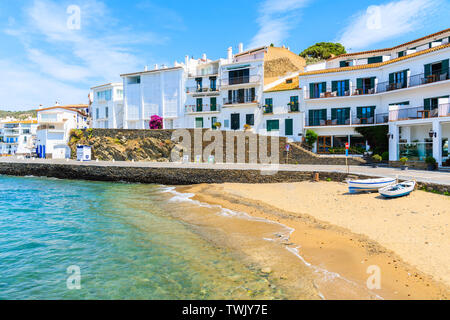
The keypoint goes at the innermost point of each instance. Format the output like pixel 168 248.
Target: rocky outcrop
pixel 157 146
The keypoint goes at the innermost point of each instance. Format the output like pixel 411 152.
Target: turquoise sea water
pixel 127 239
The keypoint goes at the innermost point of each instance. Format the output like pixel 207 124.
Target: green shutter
pixel 324 87
pixel 334 114
pixel 334 86
pixel 288 127
pixel 427 70
pixel 391 78
pixel 213 104
pixel 311 90
pixel 199 123
pixel 444 66
pixel 199 104
pixel 347 85
pixel 347 113
pixel 323 114
pixel 311 117
pixel 372 111
pixel 427 104
pixel 375 60
pixel 359 112
pixel 359 83
pixel 372 82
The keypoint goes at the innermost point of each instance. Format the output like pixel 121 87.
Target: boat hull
pixel 398 190
pixel 370 185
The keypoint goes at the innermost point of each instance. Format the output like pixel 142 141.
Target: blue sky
pixel 42 60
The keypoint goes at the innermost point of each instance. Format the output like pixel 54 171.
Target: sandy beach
pixel 408 239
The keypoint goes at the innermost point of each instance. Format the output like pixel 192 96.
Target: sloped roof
pixel 285 86
pixel 376 65
pixel 390 49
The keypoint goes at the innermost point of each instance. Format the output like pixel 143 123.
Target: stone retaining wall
pixel 177 176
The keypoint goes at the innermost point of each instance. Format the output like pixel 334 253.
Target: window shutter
pixel 213 104
pixel 311 90
pixel 311 115
pixel 347 85
pixel 334 86
pixel 324 86
pixel 427 104
pixel 359 83
pixel 347 113
pixel 372 82
pixel 372 111
pixel 359 112
pixel 444 66
pixel 391 78
pixel 333 113
pixel 427 70
pixel 289 127
pixel 324 114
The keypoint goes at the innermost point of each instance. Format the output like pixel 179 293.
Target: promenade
pixel 433 177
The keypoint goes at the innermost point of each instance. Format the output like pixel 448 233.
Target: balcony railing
pixel 412 114
pixel 444 110
pixel 240 80
pixel 293 107
pixel 348 121
pixel 267 109
pixel 215 72
pixel 202 89
pixel 381 87
pixel 240 100
pixel 202 108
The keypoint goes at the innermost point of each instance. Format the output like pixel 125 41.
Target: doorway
pixel 323 144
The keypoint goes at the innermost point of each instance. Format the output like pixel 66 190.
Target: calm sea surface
pixel 130 241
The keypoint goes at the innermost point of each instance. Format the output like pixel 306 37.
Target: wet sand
pixel 342 235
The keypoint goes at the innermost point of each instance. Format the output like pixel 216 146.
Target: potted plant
pixel 247 127
pixel 431 163
pixel 310 137
pixel 377 159
pixel 217 125
pixel 403 161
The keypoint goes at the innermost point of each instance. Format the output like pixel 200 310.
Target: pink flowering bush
pixel 156 122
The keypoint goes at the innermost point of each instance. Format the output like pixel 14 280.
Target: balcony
pixel 382 87
pixel 241 80
pixel 293 107
pixel 267 109
pixel 416 113
pixel 240 100
pixel 197 90
pixel 379 118
pixel 212 73
pixel 201 108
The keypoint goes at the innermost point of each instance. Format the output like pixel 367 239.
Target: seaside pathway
pixel 442 178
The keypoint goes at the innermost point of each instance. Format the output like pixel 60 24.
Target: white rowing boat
pixel 369 185
pixel 398 190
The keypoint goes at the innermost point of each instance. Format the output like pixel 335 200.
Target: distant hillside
pixel 18 114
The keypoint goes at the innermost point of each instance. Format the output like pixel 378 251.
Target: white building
pixel 405 88
pixel 107 106
pixel 55 125
pixel 18 137
pixel 154 92
pixel 232 92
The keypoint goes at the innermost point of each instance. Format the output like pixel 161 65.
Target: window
pixel 398 80
pixel 97 113
pixel 273 125
pixel 213 102
pixel 239 76
pixel 241 95
pixel 106 112
pixel 134 80
pixel 340 116
pixel 288 127
pixel 293 106
pixel 375 60
pixel 198 123
pixel 341 87
pixel 250 119
pixel 213 83
pixel 288 81
pixel 104 95
pixel 317 117
pixel 213 121
pixel 119 93
pixel 268 107
pixel 315 89
pixel 365 85
pixel 344 64
pixel 365 115
pixel 199 84
pixel 199 106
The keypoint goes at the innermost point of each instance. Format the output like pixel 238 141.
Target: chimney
pixel 230 54
pixel 146 68
pixel 156 66
pixel 204 57
pixel 186 60
pixel 241 47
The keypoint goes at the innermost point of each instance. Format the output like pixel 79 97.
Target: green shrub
pixel 377 158
pixel 385 156
pixel 310 137
pixel 430 160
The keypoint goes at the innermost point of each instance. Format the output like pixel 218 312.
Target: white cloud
pixel 276 19
pixel 61 60
pixel 387 21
